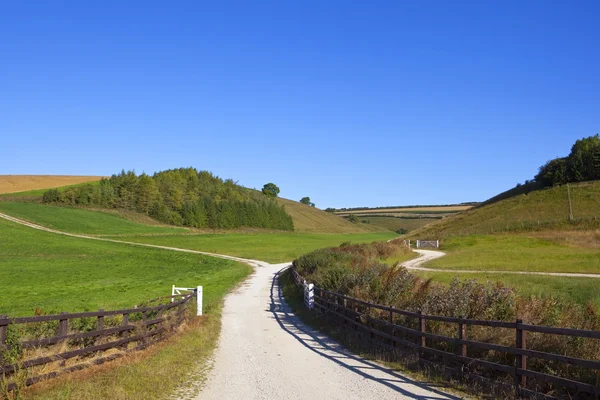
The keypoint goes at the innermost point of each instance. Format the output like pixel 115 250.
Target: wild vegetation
pixel 357 271
pixel 182 197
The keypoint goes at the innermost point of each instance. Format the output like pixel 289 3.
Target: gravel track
pixel 428 255
pixel 266 352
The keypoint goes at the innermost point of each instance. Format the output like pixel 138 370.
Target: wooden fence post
pixel 63 326
pixel 462 335
pixel 3 329
pixel 125 334
pixel 520 359
pixel 393 331
pixel 422 342
pixel 100 323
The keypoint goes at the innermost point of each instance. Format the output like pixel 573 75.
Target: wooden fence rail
pixel 380 324
pixel 84 346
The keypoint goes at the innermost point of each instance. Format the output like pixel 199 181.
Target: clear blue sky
pixel 351 103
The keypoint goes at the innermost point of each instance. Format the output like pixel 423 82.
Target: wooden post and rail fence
pixel 49 342
pixel 392 328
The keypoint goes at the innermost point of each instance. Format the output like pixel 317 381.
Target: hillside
pixel 312 220
pixel 306 219
pixel 537 210
pixel 21 183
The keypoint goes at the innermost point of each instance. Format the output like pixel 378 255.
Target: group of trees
pixel 306 200
pixel 181 196
pixel 582 164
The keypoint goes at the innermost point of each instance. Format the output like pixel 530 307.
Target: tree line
pixel 183 197
pixel 582 164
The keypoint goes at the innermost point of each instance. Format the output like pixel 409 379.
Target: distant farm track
pixel 428 255
pixel 22 183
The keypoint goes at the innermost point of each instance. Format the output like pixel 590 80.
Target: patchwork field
pixel 21 183
pixel 396 223
pixel 406 210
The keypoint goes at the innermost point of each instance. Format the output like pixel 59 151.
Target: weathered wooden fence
pixel 395 329
pixel 41 347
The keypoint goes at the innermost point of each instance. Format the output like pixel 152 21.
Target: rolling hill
pixel 538 210
pixel 312 220
pixel 306 219
pixel 22 183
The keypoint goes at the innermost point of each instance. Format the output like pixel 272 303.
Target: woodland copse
pixel 182 197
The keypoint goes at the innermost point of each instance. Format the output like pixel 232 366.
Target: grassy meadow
pixel 516 253
pixel 269 247
pixel 57 273
pixel 519 252
pixel 577 290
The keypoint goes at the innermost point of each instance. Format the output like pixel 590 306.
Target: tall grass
pixel 357 271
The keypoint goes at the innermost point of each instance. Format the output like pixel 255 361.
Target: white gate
pixel 198 290
pixel 428 243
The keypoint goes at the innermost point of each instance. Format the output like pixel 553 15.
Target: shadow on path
pixel 332 350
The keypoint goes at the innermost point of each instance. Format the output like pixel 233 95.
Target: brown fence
pixel 393 329
pixel 37 348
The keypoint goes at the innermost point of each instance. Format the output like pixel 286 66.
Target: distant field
pixel 21 183
pixel 58 273
pixel 270 247
pixel 394 224
pixel 76 220
pixel 410 210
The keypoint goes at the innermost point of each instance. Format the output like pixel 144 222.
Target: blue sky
pixel 350 103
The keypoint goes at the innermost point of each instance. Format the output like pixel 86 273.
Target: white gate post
pixel 437 244
pixel 309 295
pixel 173 294
pixel 199 300
pixel 418 243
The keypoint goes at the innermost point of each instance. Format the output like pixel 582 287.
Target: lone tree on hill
pixel 270 190
pixel 306 200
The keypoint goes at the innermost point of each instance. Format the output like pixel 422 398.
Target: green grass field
pixel 521 253
pixel 76 220
pixel 516 253
pixel 269 247
pixel 57 273
pixel 578 290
